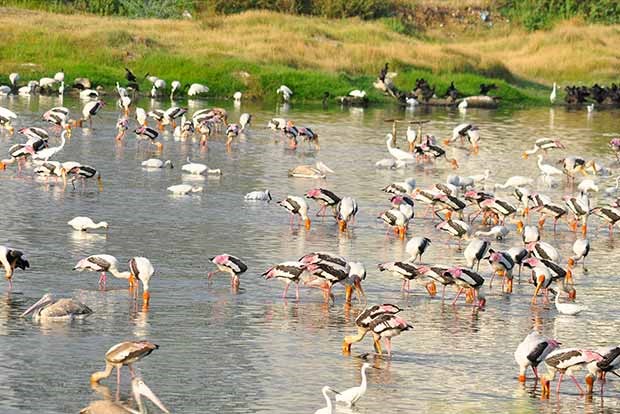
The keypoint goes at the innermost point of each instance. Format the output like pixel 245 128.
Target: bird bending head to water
pixel 124 353
pixel 62 309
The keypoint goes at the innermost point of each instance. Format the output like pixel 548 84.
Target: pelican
pixel 353 395
pixel 124 353
pixel 319 170
pixel 11 259
pixel 62 309
pixel 85 223
pixel 258 195
pixel 184 189
pixel 139 389
pixel 196 168
pixel 157 163
pixel 101 263
pixel 399 154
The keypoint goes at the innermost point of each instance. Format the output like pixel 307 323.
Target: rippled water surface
pixel 252 352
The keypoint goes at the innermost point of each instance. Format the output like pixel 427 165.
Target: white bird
pixel 399 154
pixel 515 181
pixel 318 170
pixel 356 93
pixel 590 108
pixel 47 153
pixel 581 248
pixel 480 178
pixel 157 163
pixel 412 135
pixel 84 223
pixel 390 163
pixel 47 82
pixel 60 76
pixel 568 308
pixel 237 96
pixel 463 104
pixel 613 190
pixel 121 91
pixel 61 89
pixel 244 120
pixel 587 185
pixel 329 408
pixel 196 89
pixel 285 91
pixel 498 232
pixel 184 189
pixel 5 90
pixel 14 78
pixel 141 116
pixel 553 94
pixel 532 351
pixel 28 90
pixel 125 103
pixel 174 85
pixel 547 169
pixel 352 395
pixel 264 195
pixel 196 168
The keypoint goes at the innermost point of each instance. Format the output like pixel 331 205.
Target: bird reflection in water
pixel 109 406
pixel 86 239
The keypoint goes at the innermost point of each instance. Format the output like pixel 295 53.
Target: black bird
pixel 383 72
pixel 484 88
pixel 130 76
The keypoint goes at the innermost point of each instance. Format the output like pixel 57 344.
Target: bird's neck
pixel 364 381
pixel 361 333
pixel 99 375
pixel 120 275
pixel 99 225
pixel 329 402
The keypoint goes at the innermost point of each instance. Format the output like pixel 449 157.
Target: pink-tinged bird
pixel 532 351
pixel 228 264
pixel 289 272
pixel 566 362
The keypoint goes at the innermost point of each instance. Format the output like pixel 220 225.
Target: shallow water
pixel 252 351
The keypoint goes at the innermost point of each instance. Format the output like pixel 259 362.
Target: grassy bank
pixel 256 51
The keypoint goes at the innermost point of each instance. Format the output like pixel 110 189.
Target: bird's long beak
pixel 348 290
pixel 41 302
pixel 358 289
pixel 346 347
pixel 342 225
pixel 307 223
pixel 144 390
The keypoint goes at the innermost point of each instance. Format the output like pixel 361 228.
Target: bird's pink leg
pixel 118 376
pixel 535 371
pixel 285 290
pixel 408 285
pixel 297 291
pixel 557 390
pixel 577 384
pixel 443 292
pixel 492 277
pixel 388 345
pixel 457 296
pixel 402 289
pixel 133 373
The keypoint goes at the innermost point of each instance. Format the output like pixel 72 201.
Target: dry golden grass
pixel 571 52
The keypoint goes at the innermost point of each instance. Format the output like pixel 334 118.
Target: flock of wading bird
pixel 447 201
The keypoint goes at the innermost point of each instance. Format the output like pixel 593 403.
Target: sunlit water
pixel 251 351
